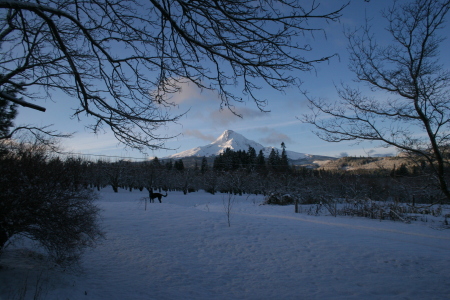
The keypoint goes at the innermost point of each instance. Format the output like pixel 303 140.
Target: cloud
pixel 384 154
pixel 222 117
pixel 198 134
pixel 274 137
pixel 187 92
pixel 225 117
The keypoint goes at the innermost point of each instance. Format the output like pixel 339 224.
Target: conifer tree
pixel 7 114
pixel 251 158
pixel 274 159
pixel 8 111
pixel 218 162
pixel 179 165
pixel 284 162
pixel 156 163
pixel 261 161
pixel 204 165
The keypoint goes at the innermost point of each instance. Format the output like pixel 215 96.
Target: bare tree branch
pixel 21 102
pixel 417 120
pixel 123 60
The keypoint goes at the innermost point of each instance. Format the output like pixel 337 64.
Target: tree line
pixel 230 160
pixel 402 183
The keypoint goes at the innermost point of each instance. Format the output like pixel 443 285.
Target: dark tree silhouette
pixel 284 161
pixel 204 166
pixel 123 59
pixel 414 116
pixel 44 199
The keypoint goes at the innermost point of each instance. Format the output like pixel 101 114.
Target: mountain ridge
pixel 235 141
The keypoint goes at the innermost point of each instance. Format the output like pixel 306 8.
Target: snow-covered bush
pixel 387 210
pixel 279 199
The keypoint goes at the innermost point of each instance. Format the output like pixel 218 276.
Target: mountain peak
pixel 230 139
pixel 234 141
pixel 228 132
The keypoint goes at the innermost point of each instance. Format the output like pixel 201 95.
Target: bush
pixel 40 199
pixel 279 199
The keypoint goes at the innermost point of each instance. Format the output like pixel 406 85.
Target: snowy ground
pixel 184 249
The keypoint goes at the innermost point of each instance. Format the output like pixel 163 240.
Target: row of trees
pixel 309 185
pixel 233 160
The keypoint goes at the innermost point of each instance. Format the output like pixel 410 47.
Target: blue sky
pixel 204 121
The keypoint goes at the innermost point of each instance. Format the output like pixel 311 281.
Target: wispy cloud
pixel 274 137
pixel 225 117
pixel 200 135
pixel 188 92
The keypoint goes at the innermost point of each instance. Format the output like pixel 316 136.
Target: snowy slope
pixel 235 141
pixel 183 249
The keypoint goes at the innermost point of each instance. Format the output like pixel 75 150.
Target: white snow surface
pixel 183 248
pixel 234 141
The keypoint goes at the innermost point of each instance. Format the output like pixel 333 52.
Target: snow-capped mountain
pixel 235 141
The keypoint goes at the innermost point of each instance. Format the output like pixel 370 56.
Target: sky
pixel 205 121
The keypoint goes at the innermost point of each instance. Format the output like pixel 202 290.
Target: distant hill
pixel 367 163
pixel 235 141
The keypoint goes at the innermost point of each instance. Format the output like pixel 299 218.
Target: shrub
pixel 39 199
pixel 279 199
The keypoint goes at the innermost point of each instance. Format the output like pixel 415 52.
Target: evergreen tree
pixel 227 159
pixel 156 163
pixel 218 162
pixel 284 162
pixel 179 166
pixel 169 165
pixel 401 171
pixel 8 112
pixel 261 161
pixel 251 158
pixel 239 159
pixel 274 159
pixel 204 166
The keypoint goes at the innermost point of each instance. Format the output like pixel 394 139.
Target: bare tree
pixel 123 59
pixel 415 114
pixel 228 201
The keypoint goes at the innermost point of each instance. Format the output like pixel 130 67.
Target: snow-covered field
pixel 184 249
